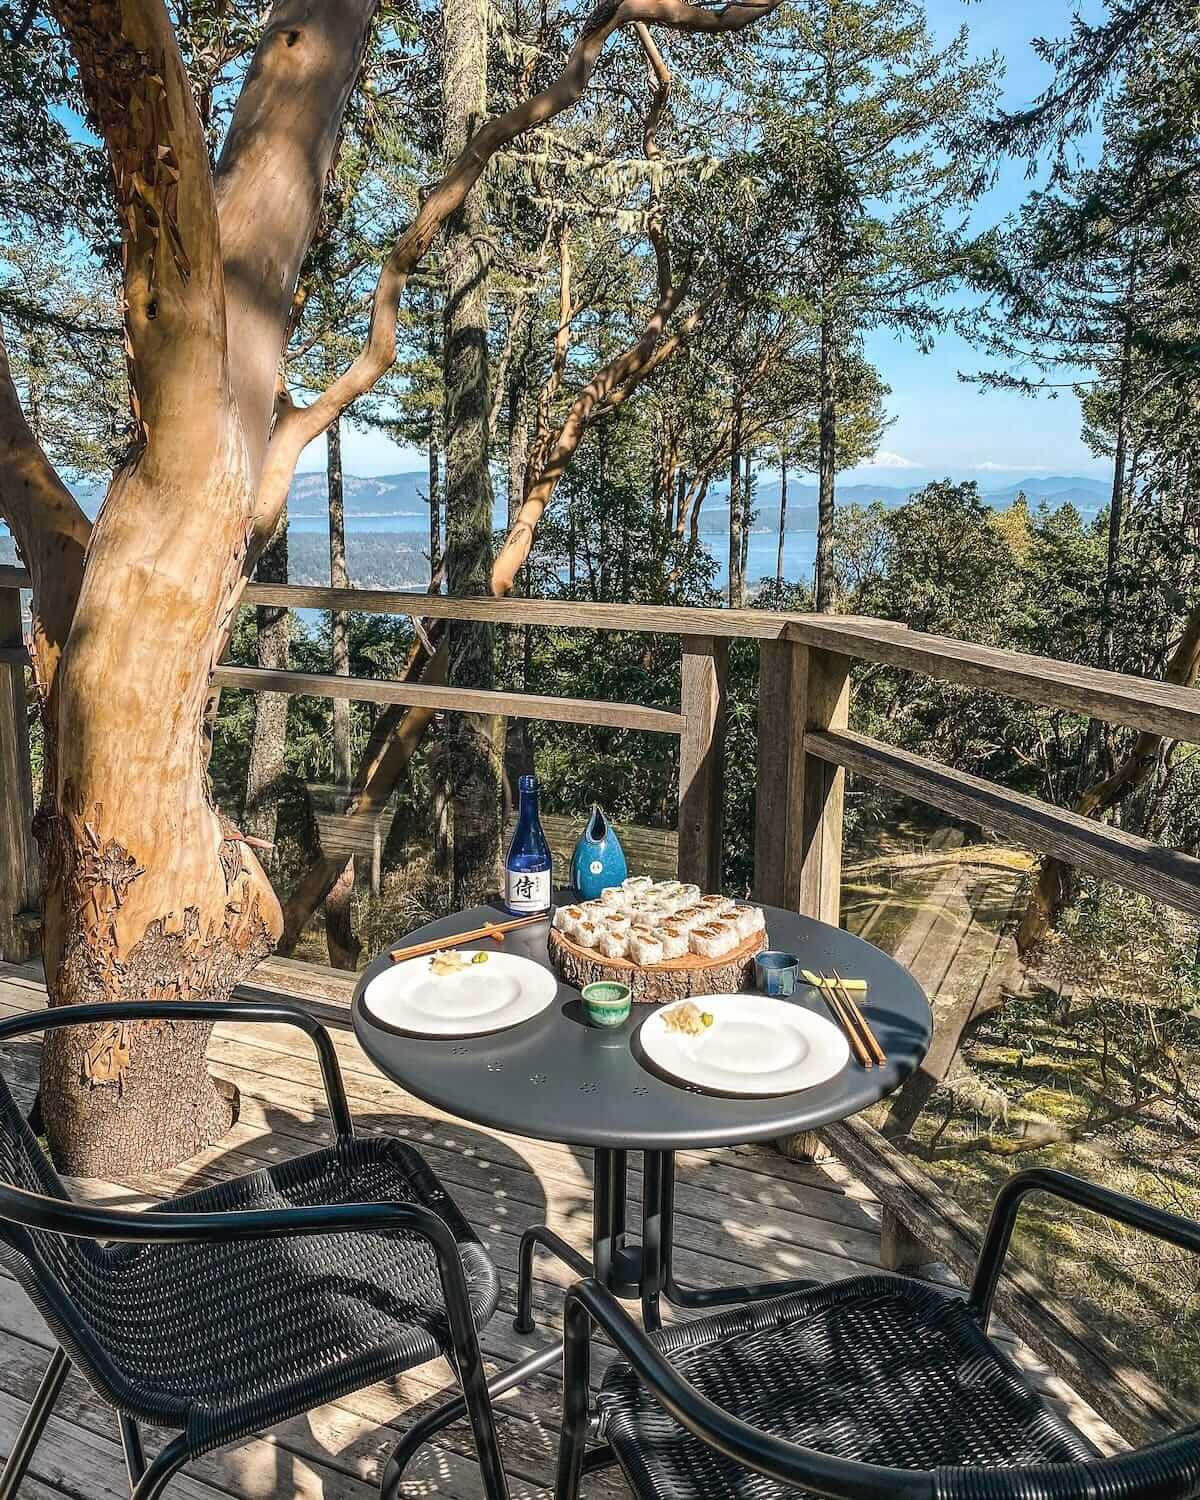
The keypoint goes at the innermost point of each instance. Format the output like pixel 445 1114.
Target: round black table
pixel 555 1078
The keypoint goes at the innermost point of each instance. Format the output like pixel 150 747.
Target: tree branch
pixel 302 424
pixel 140 101
pixel 269 183
pixel 50 529
pixel 617 380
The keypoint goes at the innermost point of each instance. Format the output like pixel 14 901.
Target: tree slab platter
pixel 656 984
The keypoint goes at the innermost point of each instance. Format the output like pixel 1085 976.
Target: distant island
pixel 387 518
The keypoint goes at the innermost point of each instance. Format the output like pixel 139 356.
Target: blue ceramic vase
pixel 599 859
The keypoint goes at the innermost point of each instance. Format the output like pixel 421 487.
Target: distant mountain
pixel 382 495
pixel 1087 496
pixel 396 508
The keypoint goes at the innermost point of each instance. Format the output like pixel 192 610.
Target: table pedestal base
pixel 632 1270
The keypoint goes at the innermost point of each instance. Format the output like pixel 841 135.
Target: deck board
pixel 740 1212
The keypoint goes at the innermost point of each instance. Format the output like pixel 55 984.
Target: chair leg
pixel 453 1411
pixel 34 1424
pixel 572 1436
pixel 131 1442
pixel 167 1464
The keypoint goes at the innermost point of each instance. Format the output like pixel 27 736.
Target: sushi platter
pixel 664 939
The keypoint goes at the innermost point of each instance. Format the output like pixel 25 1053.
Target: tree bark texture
pixel 737 578
pixel 268 748
pixel 472 739
pixel 826 466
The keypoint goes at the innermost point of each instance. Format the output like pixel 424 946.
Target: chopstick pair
pixel 495 930
pixel 863 1041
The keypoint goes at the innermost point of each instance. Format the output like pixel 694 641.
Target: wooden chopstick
pixel 835 1003
pixel 494 930
pixel 864 1025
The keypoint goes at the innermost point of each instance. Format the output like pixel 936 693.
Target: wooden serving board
pixel 652 984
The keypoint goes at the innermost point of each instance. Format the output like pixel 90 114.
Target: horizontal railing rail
pixel 1137 702
pixel 807 746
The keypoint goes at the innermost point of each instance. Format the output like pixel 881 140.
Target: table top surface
pixel 556 1078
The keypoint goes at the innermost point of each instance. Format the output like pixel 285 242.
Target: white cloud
pixel 885 460
pixel 990 468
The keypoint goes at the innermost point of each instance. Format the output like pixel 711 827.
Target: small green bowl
pixel 606 1002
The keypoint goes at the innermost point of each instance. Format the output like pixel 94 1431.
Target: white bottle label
pixel 527 890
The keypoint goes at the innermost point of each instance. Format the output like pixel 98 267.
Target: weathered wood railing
pixel 805 745
pixel 805 749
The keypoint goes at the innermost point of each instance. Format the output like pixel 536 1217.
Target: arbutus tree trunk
pixel 149 891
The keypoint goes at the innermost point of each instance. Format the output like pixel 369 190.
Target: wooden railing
pixel 805 749
pixel 805 746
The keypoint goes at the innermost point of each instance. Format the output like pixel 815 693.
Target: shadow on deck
pixel 741 1214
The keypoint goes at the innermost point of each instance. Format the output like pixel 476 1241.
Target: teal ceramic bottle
pixel 598 860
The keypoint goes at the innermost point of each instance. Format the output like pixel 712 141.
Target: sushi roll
pixel 594 911
pixel 645 948
pixel 692 916
pixel 727 935
pixel 674 940
pixel 612 944
pixel 667 889
pixel 613 896
pixel 567 920
pixel 748 919
pixel 587 934
pixel 707 941
pixel 636 885
pixel 717 905
pixel 617 922
pixel 690 893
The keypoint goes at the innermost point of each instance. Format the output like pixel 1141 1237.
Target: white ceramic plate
pixel 483 997
pixel 756 1045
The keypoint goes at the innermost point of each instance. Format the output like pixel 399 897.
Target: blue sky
pixel 941 424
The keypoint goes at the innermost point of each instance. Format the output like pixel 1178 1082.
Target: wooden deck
pixel 741 1214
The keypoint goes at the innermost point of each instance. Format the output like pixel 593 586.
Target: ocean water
pixel 799 549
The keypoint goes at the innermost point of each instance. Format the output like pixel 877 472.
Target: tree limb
pixel 140 101
pixel 301 425
pixel 269 184
pixel 50 529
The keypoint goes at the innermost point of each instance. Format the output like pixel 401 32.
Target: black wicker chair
pixel 858 1390
pixel 231 1309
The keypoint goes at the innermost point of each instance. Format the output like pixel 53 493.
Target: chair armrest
pixel 132 1226
pixel 255 1012
pixel 1122 1209
pixel 788 1463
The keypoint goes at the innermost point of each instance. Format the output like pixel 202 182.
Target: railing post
pixel 798 816
pixel 701 759
pixel 18 857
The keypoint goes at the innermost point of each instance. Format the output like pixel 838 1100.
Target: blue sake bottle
pixel 599 859
pixel 527 864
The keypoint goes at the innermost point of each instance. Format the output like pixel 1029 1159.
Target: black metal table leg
pixel 701 1297
pixel 658 1169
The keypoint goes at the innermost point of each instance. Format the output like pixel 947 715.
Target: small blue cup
pixel 775 973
